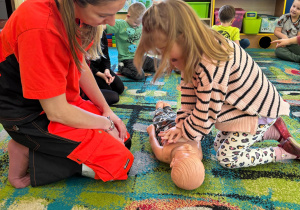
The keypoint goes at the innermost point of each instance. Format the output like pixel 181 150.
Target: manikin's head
pixel 187 169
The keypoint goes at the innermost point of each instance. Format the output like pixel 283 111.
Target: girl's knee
pixel 226 160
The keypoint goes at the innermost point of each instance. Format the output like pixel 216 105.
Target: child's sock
pixel 271 133
pixel 281 155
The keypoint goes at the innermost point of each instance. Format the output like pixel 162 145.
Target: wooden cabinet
pixel 269 7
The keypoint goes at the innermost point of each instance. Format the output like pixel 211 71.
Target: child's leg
pixel 220 138
pixel 235 151
pixel 285 54
pixel 244 43
pixel 128 69
pixel 294 48
pixel 18 165
pixel 148 65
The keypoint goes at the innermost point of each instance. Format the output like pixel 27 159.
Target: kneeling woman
pixel 56 133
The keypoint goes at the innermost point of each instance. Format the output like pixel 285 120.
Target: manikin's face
pixel 176 55
pixel 182 152
pixel 99 15
pixel 295 9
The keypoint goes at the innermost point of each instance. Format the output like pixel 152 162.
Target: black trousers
pixel 48 153
pixel 130 71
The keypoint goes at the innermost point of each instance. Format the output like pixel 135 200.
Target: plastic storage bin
pixel 239 14
pixel 251 23
pixel 201 8
pixel 268 23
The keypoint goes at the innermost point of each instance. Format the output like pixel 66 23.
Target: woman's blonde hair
pixel 179 23
pixel 85 33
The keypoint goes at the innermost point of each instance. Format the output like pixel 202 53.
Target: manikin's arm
pixel 156 148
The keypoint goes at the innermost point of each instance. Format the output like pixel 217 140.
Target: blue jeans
pixel 244 43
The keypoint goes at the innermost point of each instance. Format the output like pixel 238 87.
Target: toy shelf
pixel 269 7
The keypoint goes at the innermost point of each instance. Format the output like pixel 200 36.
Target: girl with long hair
pixel 221 86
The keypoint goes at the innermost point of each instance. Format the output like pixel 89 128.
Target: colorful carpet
pixel 149 186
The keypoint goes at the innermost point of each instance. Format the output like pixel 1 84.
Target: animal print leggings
pixel 233 148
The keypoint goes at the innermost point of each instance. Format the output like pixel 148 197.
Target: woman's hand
pixel 120 127
pixel 115 133
pixel 170 136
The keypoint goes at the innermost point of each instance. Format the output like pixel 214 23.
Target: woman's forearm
pixel 59 110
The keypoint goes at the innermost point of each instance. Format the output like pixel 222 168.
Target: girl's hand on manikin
pixel 170 136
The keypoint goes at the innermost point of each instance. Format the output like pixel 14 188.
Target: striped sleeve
pixel 208 98
pixel 188 102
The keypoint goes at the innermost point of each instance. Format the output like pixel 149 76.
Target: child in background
pixel 128 34
pixel 288 26
pixel 221 86
pixel 109 83
pixel 184 157
pixel 226 16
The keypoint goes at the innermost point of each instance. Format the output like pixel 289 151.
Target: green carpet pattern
pixel 149 186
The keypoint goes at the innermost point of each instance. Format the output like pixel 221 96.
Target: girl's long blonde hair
pixel 86 34
pixel 179 23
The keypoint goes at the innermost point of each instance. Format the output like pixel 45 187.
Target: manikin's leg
pixel 158 115
pixel 18 165
pixel 159 104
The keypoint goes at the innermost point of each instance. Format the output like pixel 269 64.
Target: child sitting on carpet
pixel 226 16
pixel 288 26
pixel 185 157
pixel 221 86
pixel 128 34
pixel 109 83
